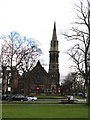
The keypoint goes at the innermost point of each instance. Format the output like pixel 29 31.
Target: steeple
pixel 54 62
pixel 54 41
pixel 54 37
pixel 54 53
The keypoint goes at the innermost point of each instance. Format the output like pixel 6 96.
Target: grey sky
pixel 35 19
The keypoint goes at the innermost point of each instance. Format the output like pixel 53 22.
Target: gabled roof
pixel 38 68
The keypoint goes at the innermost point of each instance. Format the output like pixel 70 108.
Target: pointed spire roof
pixel 54 26
pixel 54 32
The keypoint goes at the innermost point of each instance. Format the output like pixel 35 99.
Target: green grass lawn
pixel 51 97
pixel 44 111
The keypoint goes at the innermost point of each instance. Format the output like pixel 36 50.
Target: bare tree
pixel 18 53
pixel 71 84
pixel 68 84
pixel 80 34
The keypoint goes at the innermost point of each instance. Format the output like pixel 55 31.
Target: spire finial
pixel 54 26
pixel 54 32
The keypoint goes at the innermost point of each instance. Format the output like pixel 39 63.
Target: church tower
pixel 54 63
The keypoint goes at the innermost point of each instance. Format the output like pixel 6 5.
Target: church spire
pixel 54 32
pixel 54 63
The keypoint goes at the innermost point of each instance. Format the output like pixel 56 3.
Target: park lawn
pixel 44 111
pixel 51 97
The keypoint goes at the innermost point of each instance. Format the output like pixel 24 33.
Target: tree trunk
pixel 11 84
pixel 89 92
pixel 84 90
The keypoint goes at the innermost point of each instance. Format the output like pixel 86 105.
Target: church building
pixel 38 81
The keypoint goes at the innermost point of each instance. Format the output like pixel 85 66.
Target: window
pixel 54 44
pixel 53 66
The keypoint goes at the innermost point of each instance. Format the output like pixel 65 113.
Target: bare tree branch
pixel 80 33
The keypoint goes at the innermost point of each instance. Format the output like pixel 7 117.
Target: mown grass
pixel 51 97
pixel 44 111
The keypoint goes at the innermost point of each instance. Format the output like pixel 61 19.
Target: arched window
pixel 53 57
pixel 54 44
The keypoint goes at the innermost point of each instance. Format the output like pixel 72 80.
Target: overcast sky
pixel 35 19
